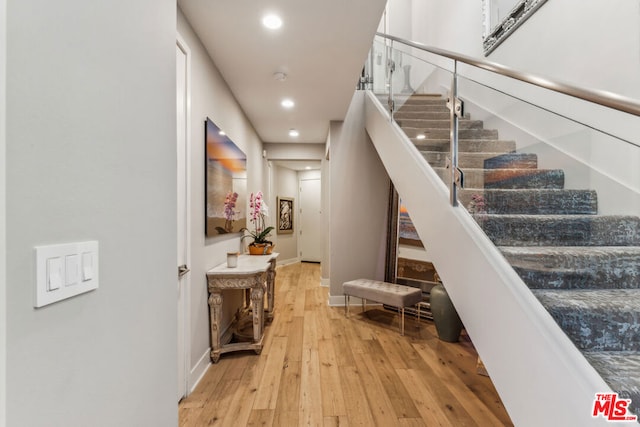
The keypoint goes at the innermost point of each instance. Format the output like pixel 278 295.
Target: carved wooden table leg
pixel 215 302
pixel 247 298
pixel 257 299
pixel 271 280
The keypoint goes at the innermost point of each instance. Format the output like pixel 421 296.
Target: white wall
pixel 359 199
pixel 90 154
pixel 291 151
pixel 456 27
pixel 310 175
pixel 325 265
pixel 558 41
pixel 398 18
pixel 3 231
pixel 211 97
pixel 565 37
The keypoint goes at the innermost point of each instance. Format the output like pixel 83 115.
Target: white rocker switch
pixel 54 274
pixel 71 270
pixel 87 266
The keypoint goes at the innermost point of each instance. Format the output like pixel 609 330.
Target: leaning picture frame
pixel 285 215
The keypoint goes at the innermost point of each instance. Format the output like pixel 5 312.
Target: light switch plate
pixel 65 270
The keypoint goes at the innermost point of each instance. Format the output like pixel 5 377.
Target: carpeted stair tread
pixel 534 201
pixel 463 133
pixel 429 124
pixel 434 107
pixel 485 160
pixel 415 103
pixel 465 145
pixel 509 178
pixel 576 267
pixel 402 102
pixel 425 115
pixel 561 230
pixel 621 371
pixel 596 320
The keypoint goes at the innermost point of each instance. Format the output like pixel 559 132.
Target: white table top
pixel 247 264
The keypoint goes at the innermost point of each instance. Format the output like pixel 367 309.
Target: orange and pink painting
pixel 226 183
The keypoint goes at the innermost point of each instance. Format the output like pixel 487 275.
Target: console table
pixel 255 273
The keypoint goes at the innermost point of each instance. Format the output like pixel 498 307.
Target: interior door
pixel 182 215
pixel 311 233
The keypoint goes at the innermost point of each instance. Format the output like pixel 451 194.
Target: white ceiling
pixel 299 165
pixel 321 46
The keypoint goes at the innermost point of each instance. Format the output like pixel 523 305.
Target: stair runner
pixel 583 267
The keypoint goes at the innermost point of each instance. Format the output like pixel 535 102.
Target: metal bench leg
pixel 364 303
pixel 402 322
pixel 346 305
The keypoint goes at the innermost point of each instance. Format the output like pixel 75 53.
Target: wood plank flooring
pixel 319 368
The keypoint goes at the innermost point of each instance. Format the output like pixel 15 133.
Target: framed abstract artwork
pixel 285 215
pixel 225 183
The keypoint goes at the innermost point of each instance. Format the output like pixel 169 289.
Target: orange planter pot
pixel 260 248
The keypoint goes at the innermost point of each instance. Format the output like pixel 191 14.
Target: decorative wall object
pixel 503 17
pixel 285 215
pixel 226 183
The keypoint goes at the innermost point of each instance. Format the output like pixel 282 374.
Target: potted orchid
pixel 258 210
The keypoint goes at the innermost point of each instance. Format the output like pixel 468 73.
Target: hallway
pixel 319 368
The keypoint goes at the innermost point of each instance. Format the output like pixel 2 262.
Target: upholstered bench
pixel 399 296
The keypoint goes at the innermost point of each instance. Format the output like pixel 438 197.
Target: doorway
pixel 183 214
pixel 311 232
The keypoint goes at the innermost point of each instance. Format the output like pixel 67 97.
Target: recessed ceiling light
pixel 222 133
pixel 293 133
pixel 308 168
pixel 287 103
pixel 272 21
pixel 420 136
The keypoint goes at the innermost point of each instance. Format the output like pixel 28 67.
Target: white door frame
pixel 3 213
pixel 185 294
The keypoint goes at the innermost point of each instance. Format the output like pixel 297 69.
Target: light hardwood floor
pixel 319 368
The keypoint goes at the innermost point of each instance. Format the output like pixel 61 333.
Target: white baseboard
pixel 336 301
pixel 325 282
pixel 198 371
pixel 287 262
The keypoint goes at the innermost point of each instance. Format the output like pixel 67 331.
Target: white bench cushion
pixel 383 292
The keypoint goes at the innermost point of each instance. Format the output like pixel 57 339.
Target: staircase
pixel 584 268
